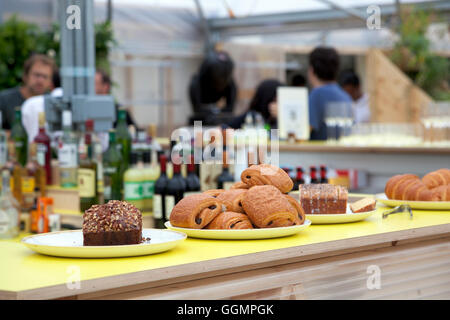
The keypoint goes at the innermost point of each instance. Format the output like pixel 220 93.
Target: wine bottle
pixel 20 137
pixel 225 178
pixel 112 174
pixel 299 179
pixel 192 179
pixel 33 180
pixel 44 152
pixel 175 189
pixel 67 153
pixel 323 174
pixel 159 199
pixel 123 138
pixel 313 174
pixel 87 172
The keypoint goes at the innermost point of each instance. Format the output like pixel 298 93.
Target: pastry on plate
pixel 195 211
pixel 267 207
pixel 266 174
pixel 230 220
pixel 363 205
pixel 232 199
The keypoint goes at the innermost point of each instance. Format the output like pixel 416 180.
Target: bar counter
pixel 393 258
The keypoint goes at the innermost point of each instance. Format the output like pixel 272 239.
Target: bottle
pixel 313 174
pixel 159 197
pixel 299 179
pixel 133 182
pixel 225 178
pixel 44 152
pixel 323 174
pixel 112 170
pixel 151 174
pixel 67 153
pixel 175 189
pixel 15 172
pixel 9 209
pixel 123 138
pixel 87 171
pixel 20 137
pixel 3 145
pixel 192 179
pixel 33 180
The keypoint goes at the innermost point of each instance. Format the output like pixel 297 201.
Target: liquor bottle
pixel 15 172
pixel 313 174
pixel 150 174
pixel 44 152
pixel 33 180
pixel 192 179
pixel 133 182
pixel 67 153
pixel 159 197
pixel 20 137
pixel 87 172
pixel 9 209
pixel 112 170
pixel 175 189
pixel 323 174
pixel 299 179
pixel 3 145
pixel 123 138
pixel 225 178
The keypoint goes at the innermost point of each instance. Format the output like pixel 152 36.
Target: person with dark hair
pixel 263 105
pixel 103 86
pixel 213 86
pixel 349 81
pixel 322 74
pixel 37 80
pixel 298 80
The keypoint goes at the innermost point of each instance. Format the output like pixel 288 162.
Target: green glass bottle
pixel 87 171
pixel 19 137
pixel 112 173
pixel 123 139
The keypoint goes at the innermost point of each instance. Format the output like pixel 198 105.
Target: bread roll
pixel 266 174
pixel 437 178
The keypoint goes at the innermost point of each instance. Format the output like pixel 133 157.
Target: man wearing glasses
pixel 37 80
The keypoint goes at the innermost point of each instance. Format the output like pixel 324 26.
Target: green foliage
pixel 20 39
pixel 412 53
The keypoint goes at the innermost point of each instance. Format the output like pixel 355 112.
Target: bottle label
pixel 86 183
pixel 149 189
pixel 133 191
pixel 67 156
pixel 3 153
pixel 170 203
pixel 41 151
pixel 157 206
pixel 28 184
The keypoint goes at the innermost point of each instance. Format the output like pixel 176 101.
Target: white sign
pixel 293 115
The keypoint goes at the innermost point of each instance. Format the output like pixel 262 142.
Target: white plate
pixel 70 244
pixel 241 234
pixel 421 205
pixel 339 218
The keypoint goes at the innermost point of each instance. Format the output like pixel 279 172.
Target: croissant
pixel 267 208
pixel 410 187
pixel 442 193
pixel 437 178
pixel 214 192
pixel 230 220
pixel 195 211
pixel 266 174
pixel 239 185
pixel 392 184
pixel 232 199
pixel 297 207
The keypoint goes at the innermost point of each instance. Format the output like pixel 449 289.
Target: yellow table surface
pixel 22 269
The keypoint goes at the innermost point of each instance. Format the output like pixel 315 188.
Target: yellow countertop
pixel 23 272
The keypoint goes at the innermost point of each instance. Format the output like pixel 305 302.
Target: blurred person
pixel 213 85
pixel 322 74
pixel 264 103
pixel 37 80
pixel 349 81
pixel 298 80
pixel 34 105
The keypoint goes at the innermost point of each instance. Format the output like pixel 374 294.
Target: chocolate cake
pixel 113 223
pixel 323 198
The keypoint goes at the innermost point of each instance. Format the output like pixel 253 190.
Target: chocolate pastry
pixel 266 174
pixel 230 220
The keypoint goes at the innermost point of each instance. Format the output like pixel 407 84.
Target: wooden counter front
pixel 411 258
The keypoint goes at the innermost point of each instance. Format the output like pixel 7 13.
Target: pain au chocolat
pixel 230 220
pixel 195 211
pixel 232 199
pixel 267 207
pixel 267 174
